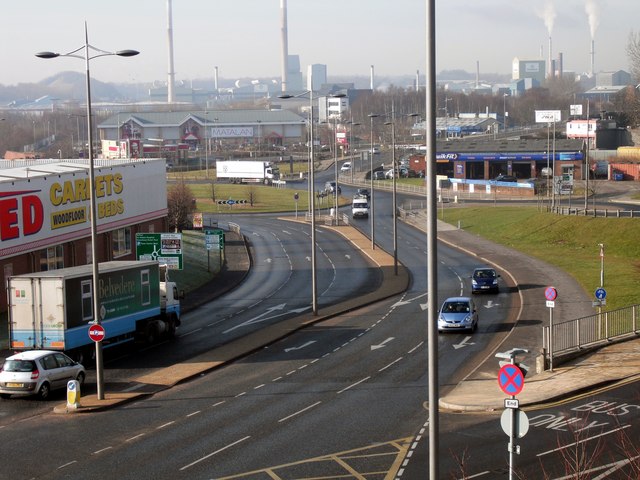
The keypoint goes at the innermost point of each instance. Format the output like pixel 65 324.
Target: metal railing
pixel 571 336
pixel 595 212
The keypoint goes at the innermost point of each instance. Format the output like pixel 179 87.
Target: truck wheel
pixel 150 334
pixel 171 332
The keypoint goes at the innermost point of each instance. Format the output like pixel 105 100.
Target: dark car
pixel 506 178
pixel 363 192
pixel 484 279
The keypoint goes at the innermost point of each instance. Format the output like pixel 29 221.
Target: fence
pixel 594 212
pixel 564 338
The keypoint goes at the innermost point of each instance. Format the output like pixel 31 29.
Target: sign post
pixel 550 293
pixel 514 421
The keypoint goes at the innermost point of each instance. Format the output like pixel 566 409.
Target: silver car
pixel 458 313
pixel 38 372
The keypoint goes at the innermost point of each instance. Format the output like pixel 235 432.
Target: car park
pixel 38 372
pixel 458 313
pixel 484 279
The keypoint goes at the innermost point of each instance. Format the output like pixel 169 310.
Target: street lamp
pixel 373 241
pixel 504 111
pixel 312 198
pixel 353 163
pixel 92 200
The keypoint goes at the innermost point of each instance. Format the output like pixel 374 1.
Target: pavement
pixel 479 391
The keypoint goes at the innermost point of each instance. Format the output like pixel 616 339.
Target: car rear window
pixel 19 366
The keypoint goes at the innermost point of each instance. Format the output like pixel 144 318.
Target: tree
pixel 633 51
pixel 180 204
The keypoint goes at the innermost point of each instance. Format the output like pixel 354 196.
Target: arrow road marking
pixel 261 318
pixel 287 350
pixel 407 302
pixel 380 345
pixel 490 304
pixel 463 343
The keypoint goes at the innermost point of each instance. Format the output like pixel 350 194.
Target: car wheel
pixel 80 378
pixel 44 391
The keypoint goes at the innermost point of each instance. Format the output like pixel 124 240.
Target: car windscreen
pixel 19 366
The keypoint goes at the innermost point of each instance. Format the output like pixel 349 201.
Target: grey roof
pixel 210 117
pixel 528 145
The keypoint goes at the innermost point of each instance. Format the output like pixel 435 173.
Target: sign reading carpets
pixel 166 248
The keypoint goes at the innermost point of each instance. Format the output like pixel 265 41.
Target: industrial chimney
pixel 371 81
pixel 171 76
pixel 285 44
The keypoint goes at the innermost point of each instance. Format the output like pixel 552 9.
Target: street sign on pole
pixel 521 422
pixel 510 379
pixel 96 333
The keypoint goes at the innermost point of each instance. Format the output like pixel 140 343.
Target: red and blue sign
pixel 550 293
pixel 510 379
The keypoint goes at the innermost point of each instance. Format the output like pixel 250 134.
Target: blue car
pixel 484 279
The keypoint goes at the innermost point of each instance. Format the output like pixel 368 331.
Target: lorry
pixel 247 171
pixel 53 310
pixel 360 206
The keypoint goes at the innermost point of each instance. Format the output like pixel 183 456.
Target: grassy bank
pixel 571 243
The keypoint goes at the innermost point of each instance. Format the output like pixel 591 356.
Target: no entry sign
pixel 96 333
pixel 510 379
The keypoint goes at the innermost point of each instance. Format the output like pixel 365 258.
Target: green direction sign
pixel 166 248
pixel 214 239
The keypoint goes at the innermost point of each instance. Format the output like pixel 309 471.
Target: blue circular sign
pixel 510 379
pixel 601 293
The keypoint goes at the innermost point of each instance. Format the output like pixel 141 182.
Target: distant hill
pixel 65 85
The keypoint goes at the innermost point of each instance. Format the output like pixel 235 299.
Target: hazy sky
pixel 242 37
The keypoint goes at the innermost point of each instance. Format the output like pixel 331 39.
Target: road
pixel 341 397
pixel 301 398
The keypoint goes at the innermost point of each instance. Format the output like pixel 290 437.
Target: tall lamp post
pixel 504 111
pixel 373 216
pixel 312 197
pixel 94 224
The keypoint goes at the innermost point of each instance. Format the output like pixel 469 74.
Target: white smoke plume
pixel 593 10
pixel 548 14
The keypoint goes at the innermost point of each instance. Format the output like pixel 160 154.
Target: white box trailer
pixel 247 171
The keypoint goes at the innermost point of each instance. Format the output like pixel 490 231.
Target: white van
pixel 360 207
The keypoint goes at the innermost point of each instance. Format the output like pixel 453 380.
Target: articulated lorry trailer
pixel 247 171
pixel 53 310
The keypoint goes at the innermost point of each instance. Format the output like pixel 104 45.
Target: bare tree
pixel 180 204
pixel 633 51
pixel 252 194
pixel 212 191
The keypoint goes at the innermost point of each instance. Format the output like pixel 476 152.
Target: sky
pixel 242 37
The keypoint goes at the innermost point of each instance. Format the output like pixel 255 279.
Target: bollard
pixel 73 395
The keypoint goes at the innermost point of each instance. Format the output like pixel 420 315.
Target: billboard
pixel 48 204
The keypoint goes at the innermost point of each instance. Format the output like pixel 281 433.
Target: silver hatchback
pixel 38 372
pixel 458 313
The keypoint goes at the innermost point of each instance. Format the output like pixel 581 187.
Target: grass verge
pixel 570 243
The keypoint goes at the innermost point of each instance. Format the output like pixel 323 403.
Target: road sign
pixel 601 293
pixel 510 379
pixel 521 419
pixel 511 403
pixel 96 333
pixel 550 293
pixel 165 248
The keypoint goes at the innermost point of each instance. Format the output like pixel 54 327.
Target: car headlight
pixel 474 283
